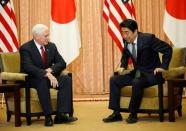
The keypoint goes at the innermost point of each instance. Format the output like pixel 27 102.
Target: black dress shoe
pixel 63 118
pixel 113 118
pixel 132 119
pixel 48 121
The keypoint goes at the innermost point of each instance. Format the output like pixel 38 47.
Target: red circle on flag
pixel 176 8
pixel 63 11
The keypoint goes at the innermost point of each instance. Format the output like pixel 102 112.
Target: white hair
pixel 38 29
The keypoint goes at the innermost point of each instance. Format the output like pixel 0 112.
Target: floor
pixel 90 116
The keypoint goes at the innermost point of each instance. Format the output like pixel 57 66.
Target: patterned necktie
pixel 137 74
pixel 43 55
pixel 134 52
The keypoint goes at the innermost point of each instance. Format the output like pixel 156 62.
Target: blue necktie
pixel 135 58
pixel 134 52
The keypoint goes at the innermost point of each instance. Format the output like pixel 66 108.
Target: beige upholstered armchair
pixel 155 98
pixel 30 106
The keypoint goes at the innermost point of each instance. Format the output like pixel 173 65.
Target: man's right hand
pixel 53 80
pixel 158 70
pixel 120 69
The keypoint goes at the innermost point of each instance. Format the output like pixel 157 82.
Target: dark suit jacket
pixel 148 48
pixel 31 61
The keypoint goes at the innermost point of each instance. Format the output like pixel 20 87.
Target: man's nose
pixel 48 39
pixel 124 36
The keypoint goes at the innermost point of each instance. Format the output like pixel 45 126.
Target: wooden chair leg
pixel 179 110
pixel 160 95
pixel 38 117
pixel 28 108
pixel 161 115
pixel 28 119
pixel 70 114
pixel 9 114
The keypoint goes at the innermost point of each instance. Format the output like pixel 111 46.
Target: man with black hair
pixel 143 49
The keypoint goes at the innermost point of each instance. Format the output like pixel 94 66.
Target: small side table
pixel 174 87
pixel 15 89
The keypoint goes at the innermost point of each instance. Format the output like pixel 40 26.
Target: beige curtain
pixel 99 56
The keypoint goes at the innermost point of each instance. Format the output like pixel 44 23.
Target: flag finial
pixel 124 1
pixel 4 2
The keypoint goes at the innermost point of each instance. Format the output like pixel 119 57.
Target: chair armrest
pixel 173 72
pixel 66 72
pixel 13 76
pixel 122 71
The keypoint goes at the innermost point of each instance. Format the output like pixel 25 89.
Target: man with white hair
pixel 41 60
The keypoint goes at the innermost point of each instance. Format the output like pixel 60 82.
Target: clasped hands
pixel 51 77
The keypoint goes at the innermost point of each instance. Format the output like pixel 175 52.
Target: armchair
pixel 30 105
pixel 155 99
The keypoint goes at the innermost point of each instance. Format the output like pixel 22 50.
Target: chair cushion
pixel 148 92
pixel 35 104
pixel 147 103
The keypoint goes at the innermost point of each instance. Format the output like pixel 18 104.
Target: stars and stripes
pixel 8 29
pixel 114 12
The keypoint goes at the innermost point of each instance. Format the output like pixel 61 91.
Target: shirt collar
pixel 135 40
pixel 38 45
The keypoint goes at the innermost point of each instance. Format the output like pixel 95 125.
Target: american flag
pixel 8 30
pixel 114 12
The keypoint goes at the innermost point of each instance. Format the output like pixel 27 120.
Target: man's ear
pixel 136 31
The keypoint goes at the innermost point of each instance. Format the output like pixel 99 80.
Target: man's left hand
pixel 158 70
pixel 53 80
pixel 49 70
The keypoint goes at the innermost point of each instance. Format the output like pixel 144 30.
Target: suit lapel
pixel 126 48
pixel 36 54
pixel 139 44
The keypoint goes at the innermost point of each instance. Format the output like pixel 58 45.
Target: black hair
pixel 130 24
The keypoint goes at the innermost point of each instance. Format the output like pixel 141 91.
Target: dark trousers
pixel 138 85
pixel 64 94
